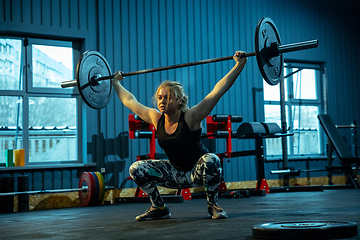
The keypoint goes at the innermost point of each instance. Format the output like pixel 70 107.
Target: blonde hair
pixel 175 89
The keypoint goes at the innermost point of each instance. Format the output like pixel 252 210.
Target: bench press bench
pixel 336 142
pixel 219 126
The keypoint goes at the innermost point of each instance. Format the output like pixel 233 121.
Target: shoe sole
pixel 220 216
pixel 148 218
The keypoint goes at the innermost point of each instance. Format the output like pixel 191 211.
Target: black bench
pixel 219 126
pixel 337 143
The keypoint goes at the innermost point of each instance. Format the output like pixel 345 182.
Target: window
pixel 51 65
pixel 36 114
pixel 303 102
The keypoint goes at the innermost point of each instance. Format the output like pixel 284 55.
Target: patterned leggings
pixel 147 174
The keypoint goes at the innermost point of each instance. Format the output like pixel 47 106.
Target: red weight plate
pixel 86 179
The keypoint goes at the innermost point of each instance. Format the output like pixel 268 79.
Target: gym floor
pixel 189 219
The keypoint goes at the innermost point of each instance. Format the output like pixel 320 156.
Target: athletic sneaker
pixel 154 213
pixel 216 212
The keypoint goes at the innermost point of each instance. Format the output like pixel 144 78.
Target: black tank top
pixel 184 147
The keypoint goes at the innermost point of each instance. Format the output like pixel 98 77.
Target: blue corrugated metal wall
pixel 148 34
pixel 140 34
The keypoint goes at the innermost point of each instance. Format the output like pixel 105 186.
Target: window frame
pixel 319 102
pixel 29 91
pixel 47 42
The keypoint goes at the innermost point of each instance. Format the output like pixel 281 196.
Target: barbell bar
pixel 280 50
pixel 89 195
pixel 93 68
pixel 84 189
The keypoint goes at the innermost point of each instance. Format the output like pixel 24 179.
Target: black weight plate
pixel 92 63
pixel 271 68
pixel 305 230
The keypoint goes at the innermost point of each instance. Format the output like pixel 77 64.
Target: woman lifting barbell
pixel 179 134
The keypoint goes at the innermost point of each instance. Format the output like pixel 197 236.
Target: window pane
pixel 272 114
pixel 304 84
pixel 271 93
pixel 52 134
pixel 273 146
pixel 51 65
pixel 305 117
pixel 306 130
pixel 10 64
pixel 10 124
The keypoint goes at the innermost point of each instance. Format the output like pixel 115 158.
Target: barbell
pixel 91 189
pixel 93 68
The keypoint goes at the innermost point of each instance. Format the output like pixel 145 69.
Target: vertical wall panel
pixel 2 11
pixel 37 181
pixel 124 41
pixel 111 126
pixel 198 78
pixel 57 179
pixel 46 13
pixel 170 37
pixel 74 14
pixel 55 15
pixel 26 14
pixel 36 8
pixel 108 125
pixel 14 8
pixel 6 11
pixel 47 180
pixel 177 39
pixel 65 179
pixel 65 14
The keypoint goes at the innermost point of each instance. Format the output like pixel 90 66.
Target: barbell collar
pixel 298 46
pixel 71 83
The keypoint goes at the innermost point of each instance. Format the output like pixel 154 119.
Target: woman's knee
pixel 211 159
pixel 209 163
pixel 147 169
pixel 135 168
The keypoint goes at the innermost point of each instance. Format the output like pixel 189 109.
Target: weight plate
pixel 271 68
pixel 91 64
pixel 101 188
pixel 86 179
pixel 95 198
pixel 305 230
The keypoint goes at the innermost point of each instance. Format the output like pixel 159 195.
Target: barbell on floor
pixel 84 189
pixel 91 189
pixel 93 68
